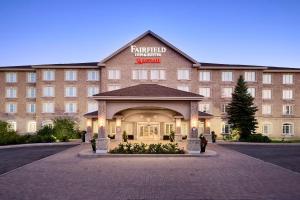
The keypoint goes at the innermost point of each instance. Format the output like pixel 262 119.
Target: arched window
pixel 288 129
pixel 47 122
pixel 31 126
pixel 12 125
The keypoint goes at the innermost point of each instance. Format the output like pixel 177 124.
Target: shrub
pixel 172 136
pixel 65 129
pixel 257 138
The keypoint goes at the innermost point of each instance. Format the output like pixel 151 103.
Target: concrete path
pixel 230 175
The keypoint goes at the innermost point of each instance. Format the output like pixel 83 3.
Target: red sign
pixel 146 60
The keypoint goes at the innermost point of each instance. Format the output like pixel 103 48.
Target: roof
pixel 204 115
pixel 148 92
pixel 219 65
pixel 95 64
pixel 149 32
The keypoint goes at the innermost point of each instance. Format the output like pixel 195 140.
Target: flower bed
pixel 136 148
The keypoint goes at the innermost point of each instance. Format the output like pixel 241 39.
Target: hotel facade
pixel 147 88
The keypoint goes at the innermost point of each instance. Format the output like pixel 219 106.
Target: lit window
pixel 183 88
pixel 204 76
pixel 11 77
pixel 92 90
pixel 157 74
pixel 93 75
pixel 31 107
pixel 204 107
pixel 169 127
pixel 287 129
pixel 11 92
pixel 266 94
pixel 226 128
pixel 204 91
pixel 71 75
pixel 48 107
pixel 31 127
pixel 266 109
pixel 267 78
pixel 287 94
pixel 113 74
pixel 250 76
pixel 183 74
pixel 251 91
pixel 287 109
pixel 70 91
pixel 12 125
pixel 227 92
pixel 92 106
pixel 226 76
pixel 71 107
pixel 11 107
pixel 31 77
pixel 287 79
pixel 48 91
pixel 113 87
pixel 139 74
pixel 266 128
pixel 31 92
pixel 48 75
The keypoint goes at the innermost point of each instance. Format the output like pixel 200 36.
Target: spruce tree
pixel 241 110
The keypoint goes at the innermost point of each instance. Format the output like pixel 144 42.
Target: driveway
pixel 12 158
pixel 230 175
pixel 287 156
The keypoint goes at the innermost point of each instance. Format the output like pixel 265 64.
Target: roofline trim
pixel 145 98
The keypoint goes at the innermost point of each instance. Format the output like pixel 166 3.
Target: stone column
pixel 118 136
pixel 178 136
pixel 102 141
pixel 89 130
pixel 193 142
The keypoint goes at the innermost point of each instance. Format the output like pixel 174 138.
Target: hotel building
pixel 147 88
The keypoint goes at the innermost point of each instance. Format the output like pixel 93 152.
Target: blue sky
pixel 262 32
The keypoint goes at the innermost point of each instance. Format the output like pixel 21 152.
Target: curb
pixel 257 143
pixel 90 154
pixel 38 145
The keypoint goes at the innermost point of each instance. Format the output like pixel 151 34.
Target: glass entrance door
pixel 148 131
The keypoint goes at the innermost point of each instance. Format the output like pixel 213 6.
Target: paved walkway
pixel 230 175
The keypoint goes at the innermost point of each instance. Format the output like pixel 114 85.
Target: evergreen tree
pixel 241 110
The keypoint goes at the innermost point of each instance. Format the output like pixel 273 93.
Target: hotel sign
pixel 147 54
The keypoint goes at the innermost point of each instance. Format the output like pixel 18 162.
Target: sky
pixel 254 32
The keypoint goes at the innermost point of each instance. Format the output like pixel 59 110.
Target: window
pixel 287 129
pixel 224 108
pixel 183 74
pixel 71 107
pixel 11 92
pixel 31 126
pixel 204 91
pixel 48 75
pixel 227 92
pixel 12 125
pixel 287 94
pixel 70 91
pixel 93 75
pixel 11 77
pixel 11 107
pixel 92 90
pixel 225 128
pixel 158 74
pixel 169 127
pixel 267 78
pixel 47 123
pixel 266 109
pixel 48 107
pixel 112 128
pixel 48 91
pixel 250 76
pixel 226 76
pixel 139 74
pixel 251 91
pixel 287 79
pixel 92 106
pixel 31 107
pixel 204 107
pixel 287 109
pixel 266 94
pixel 266 128
pixel 71 75
pixel 204 76
pixel 113 87
pixel 183 88
pixel 31 77
pixel 31 92
pixel 113 74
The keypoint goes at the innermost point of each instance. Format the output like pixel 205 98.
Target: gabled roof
pixel 148 92
pixel 149 32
